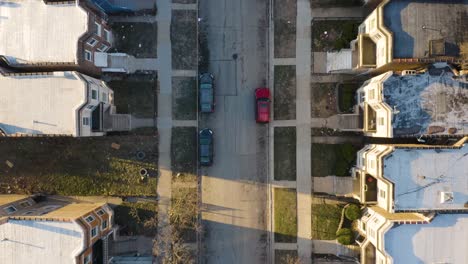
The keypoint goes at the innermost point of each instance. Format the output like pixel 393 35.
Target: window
pixel 87 259
pixel 89 218
pixel 29 213
pixel 104 97
pixel 94 232
pixel 108 35
pixel 382 194
pixel 88 55
pixel 92 42
pixel 100 212
pixel 364 226
pixel 372 164
pixel 363 161
pixel 25 204
pixel 90 106
pixel 104 225
pixel 85 121
pixel 103 48
pixel 10 209
pixel 381 121
pixel 94 94
pixel 98 28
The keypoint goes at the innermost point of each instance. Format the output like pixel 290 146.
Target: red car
pixel 262 105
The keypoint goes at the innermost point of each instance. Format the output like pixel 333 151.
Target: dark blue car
pixel 205 150
pixel 206 90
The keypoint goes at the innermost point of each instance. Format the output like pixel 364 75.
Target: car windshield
pixel 204 141
pixel 263 104
pixel 206 86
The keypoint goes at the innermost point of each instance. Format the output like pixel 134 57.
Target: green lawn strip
pixel 79 166
pixel 333 159
pixel 184 98
pixel 285 153
pixel 136 38
pixel 184 39
pixel 285 12
pixel 183 214
pixel 184 150
pixel 136 218
pixel 347 96
pixel 285 256
pixel 285 215
pixel 135 97
pixel 284 106
pixel 325 221
pixel 329 35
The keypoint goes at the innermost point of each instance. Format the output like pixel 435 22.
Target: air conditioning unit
pixel 446 197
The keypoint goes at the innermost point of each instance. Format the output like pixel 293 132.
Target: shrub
pixel 344 232
pixel 345 239
pixel 353 212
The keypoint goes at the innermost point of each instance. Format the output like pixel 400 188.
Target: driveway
pixel 234 191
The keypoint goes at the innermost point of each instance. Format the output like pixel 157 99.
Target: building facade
pixel 39 229
pixel 57 103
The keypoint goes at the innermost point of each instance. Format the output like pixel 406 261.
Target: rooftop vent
pixel 446 197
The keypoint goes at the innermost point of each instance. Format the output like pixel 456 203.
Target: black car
pixel 206 96
pixel 205 151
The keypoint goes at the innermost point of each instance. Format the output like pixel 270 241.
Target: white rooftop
pixel 37 242
pixel 41 104
pixel 444 240
pixel 422 176
pixel 31 31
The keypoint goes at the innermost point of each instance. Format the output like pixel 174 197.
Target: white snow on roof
pixel 41 104
pixel 420 175
pixel 31 31
pixel 28 242
pixel 424 100
pixel 444 240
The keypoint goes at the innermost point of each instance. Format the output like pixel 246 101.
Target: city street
pixel 234 189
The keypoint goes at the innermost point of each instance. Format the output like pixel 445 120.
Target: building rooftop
pixel 41 104
pixel 434 99
pixel 415 24
pixel 428 178
pixel 441 241
pixel 33 32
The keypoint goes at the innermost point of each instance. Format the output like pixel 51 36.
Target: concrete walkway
pixel 304 180
pixel 164 114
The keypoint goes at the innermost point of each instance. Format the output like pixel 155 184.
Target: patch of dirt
pixel 184 39
pixel 323 101
pixel 284 107
pixel 285 12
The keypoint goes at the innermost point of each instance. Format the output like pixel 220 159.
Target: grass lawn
pixel 184 212
pixel 78 166
pixel 285 28
pixel 285 256
pixel 333 159
pixel 136 95
pixel 184 40
pixel 329 35
pixel 284 106
pixel 285 215
pixel 325 220
pixel 184 150
pixel 285 153
pixel 323 100
pixel 184 98
pixel 347 96
pixel 137 218
pixel 137 39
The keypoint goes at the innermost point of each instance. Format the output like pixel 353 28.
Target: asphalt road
pixel 234 191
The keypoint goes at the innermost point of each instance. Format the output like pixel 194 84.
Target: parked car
pixel 262 105
pixel 205 149
pixel 206 96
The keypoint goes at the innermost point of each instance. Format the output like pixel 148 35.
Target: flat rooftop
pixel 441 241
pixel 421 175
pixel 434 98
pixel 441 19
pixel 31 31
pixel 41 104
